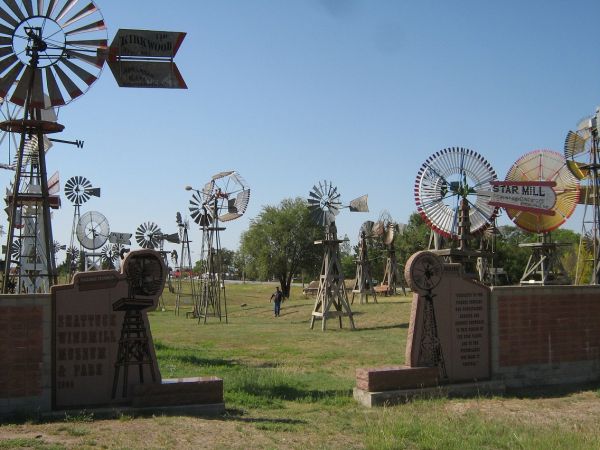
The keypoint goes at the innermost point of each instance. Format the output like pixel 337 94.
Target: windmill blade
pixel 90 8
pixel 8 18
pixel 360 204
pixel 15 9
pixel 83 74
pixel 575 143
pixel 20 92
pixel 56 97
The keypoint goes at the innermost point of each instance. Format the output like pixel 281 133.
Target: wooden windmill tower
pixel 364 282
pixel 332 299
pixel 387 230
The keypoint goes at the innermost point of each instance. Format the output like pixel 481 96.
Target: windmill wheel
pixel 77 190
pixel 145 273
pixel 109 255
pixel 148 235
pixel 67 65
pixel 444 179
pixel 92 230
pixel 199 212
pixel 225 197
pixel 73 255
pixel 15 250
pixel 324 203
pixel 57 247
pixel 545 165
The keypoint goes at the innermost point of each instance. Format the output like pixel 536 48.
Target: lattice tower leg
pixel 431 354
pixel 134 350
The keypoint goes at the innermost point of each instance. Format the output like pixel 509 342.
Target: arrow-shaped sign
pixel 144 58
pixel 119 238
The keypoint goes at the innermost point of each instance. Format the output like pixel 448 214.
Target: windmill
pixel 183 264
pixel 149 235
pixel 146 273
pixel 557 194
pixel 78 190
pixel 51 53
pixel 110 254
pixel 92 232
pixel 363 284
pixel 324 205
pixel 452 195
pixel 581 152
pixel 387 230
pixel 224 198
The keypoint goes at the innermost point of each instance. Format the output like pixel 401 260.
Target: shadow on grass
pixel 552 391
pixel 284 391
pixel 383 327
pixel 185 356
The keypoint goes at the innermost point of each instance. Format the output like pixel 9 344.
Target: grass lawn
pixel 287 386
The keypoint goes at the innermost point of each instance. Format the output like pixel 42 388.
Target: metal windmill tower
pixel 30 265
pixel 224 198
pixel 332 299
pixel 50 54
pixel 184 265
pixel 78 190
pixel 582 149
pixel 363 284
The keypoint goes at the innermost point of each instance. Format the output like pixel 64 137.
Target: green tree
pixel 280 243
pixel 414 238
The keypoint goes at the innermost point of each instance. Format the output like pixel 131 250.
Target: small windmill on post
pixel 324 204
pixel 78 190
pixel 363 284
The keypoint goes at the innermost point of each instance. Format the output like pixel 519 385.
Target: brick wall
pixel 545 334
pixel 25 352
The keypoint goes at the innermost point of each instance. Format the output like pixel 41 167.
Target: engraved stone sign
pixel 89 330
pixel 449 324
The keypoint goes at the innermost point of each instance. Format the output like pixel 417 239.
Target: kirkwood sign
pixel 537 197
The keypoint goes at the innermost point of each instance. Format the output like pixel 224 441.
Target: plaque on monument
pixel 89 329
pixel 449 323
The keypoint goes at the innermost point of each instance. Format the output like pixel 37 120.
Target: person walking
pixel 277 298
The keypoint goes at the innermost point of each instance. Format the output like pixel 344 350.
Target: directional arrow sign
pixel 537 197
pixel 145 44
pixel 119 238
pixel 147 74
pixel 144 58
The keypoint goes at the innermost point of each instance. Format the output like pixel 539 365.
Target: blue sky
pixel 353 91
